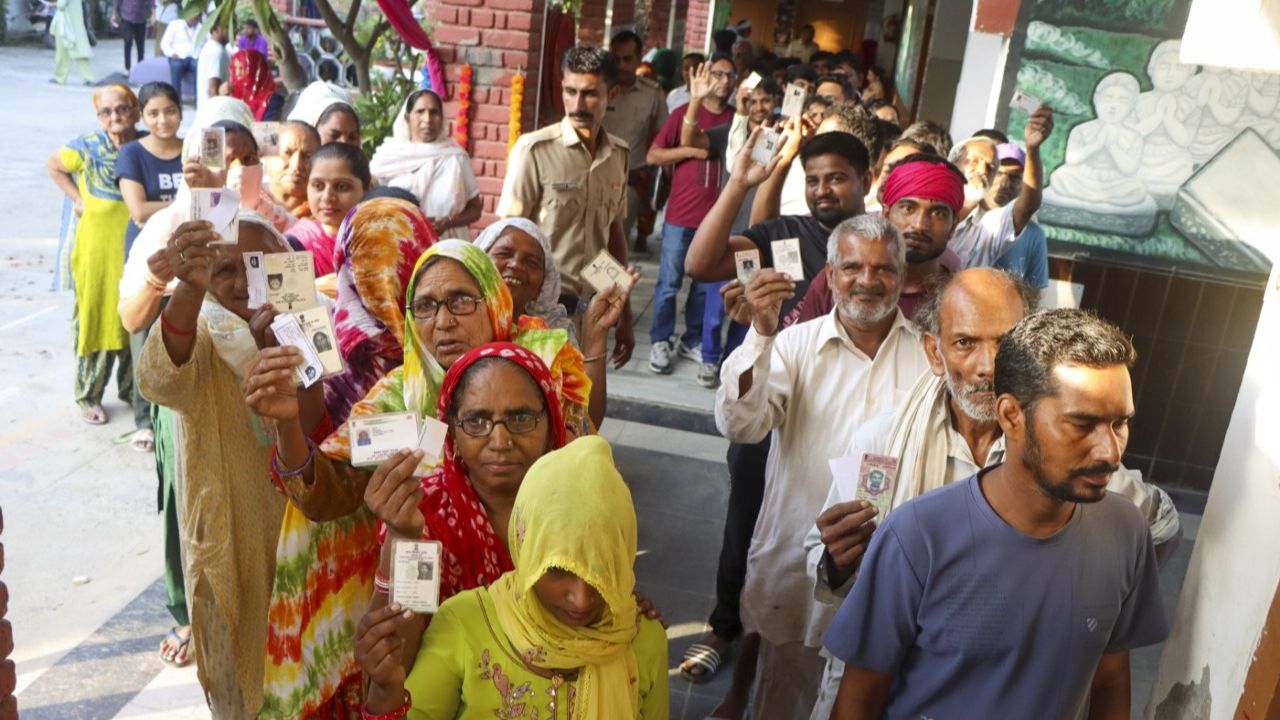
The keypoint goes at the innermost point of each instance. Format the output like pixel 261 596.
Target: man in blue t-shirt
pixel 1019 592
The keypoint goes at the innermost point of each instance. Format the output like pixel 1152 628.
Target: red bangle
pixel 168 326
pixel 396 714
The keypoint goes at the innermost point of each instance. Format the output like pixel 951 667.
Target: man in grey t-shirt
pixel 1019 592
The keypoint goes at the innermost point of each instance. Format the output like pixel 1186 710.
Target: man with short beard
pixel 1019 591
pixel 1028 255
pixel 944 432
pixel 809 387
pixel 288 174
pixel 986 229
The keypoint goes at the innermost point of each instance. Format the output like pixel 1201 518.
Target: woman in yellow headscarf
pixel 558 637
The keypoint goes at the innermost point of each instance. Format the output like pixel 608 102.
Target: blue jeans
pixel 180 68
pixel 675 245
pixel 713 319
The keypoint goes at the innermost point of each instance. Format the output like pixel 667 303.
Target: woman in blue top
pixel 149 170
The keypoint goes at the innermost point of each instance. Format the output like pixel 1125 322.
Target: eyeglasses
pixel 122 110
pixel 427 308
pixel 517 424
pixel 721 75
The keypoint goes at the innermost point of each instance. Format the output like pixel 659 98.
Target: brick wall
pixel 655 35
pixel 497 37
pixel 696 23
pixel 8 674
pixel 624 13
pixel 591 23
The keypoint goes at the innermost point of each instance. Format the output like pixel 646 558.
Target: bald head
pixel 986 290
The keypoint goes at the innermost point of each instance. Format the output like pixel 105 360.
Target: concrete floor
pixel 80 506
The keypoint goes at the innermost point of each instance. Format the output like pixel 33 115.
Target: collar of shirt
pixel 958 450
pixel 833 331
pixel 569 137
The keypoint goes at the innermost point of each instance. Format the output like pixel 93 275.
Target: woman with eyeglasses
pixel 85 170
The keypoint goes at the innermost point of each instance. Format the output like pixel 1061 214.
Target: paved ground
pixel 82 538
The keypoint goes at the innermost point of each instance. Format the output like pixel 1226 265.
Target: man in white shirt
pixel 211 71
pixel 811 386
pixel 680 95
pixel 944 432
pixel 179 45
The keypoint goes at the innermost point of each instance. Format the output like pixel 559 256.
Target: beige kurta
pixel 229 518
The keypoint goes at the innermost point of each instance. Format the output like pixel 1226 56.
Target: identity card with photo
pixel 267 135
pixel 605 271
pixel 786 258
pixel 1025 102
pixel 220 208
pixel 212 142
pixel 255 274
pixel 752 80
pixel 748 262
pixel 291 281
pixel 317 326
pixel 793 101
pixel 877 475
pixel 289 334
pixel 375 438
pixel 415 574
pixel 766 146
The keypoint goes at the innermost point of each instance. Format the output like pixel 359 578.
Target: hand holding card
pixel 604 271
pixel 219 207
pixel 786 258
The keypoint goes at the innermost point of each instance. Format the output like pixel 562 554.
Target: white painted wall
pixel 1234 569
pixel 978 93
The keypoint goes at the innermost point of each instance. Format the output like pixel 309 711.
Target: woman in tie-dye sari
pixel 472 307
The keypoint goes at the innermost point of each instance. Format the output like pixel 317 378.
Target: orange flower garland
pixel 462 125
pixel 517 106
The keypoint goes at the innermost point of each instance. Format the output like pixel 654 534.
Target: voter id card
pixel 415 574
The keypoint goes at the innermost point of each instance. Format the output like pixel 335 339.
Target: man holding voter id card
pixel 780 384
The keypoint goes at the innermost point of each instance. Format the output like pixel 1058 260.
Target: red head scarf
pixel 251 81
pixel 936 181
pixel 473 556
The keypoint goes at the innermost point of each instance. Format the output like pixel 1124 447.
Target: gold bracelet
pixel 593 358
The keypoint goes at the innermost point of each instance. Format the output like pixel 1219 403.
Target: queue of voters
pixel 375 411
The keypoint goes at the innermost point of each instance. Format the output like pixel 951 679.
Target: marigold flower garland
pixel 517 107
pixel 462 125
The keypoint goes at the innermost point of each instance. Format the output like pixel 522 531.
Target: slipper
pixel 181 653
pixel 95 415
pixel 703 656
pixel 144 441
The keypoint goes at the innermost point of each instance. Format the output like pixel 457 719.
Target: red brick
pixel 464 17
pixel 469 3
pixel 1 520
pixel 520 21
pixel 446 15
pixel 8 678
pixel 4 602
pixel 456 36
pixel 508 39
pixel 492 114
pixel 479 95
pixel 8 708
pixel 489 185
pixel 490 150
pixel 482 18
pixel 517 59
pixel 6 639
pixel 526 5
pixel 1 557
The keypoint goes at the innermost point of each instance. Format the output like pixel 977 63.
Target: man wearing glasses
pixel 695 185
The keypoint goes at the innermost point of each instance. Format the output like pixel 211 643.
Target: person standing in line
pixel 179 45
pixel 636 115
pixel 132 16
pixel 71 42
pixel 1033 609
pixel 571 179
pixel 212 67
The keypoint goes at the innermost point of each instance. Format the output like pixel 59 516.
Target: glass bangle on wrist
pixel 396 714
pixel 275 462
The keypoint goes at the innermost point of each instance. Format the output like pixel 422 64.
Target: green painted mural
pixel 1151 158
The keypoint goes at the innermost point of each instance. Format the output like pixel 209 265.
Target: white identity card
pixel 289 334
pixel 748 262
pixel 415 574
pixel 255 273
pixel 766 146
pixel 212 142
pixel 786 258
pixel 605 271
pixel 793 101
pixel 288 282
pixel 267 135
pixel 375 438
pixel 317 326
pixel 752 81
pixel 1025 102
pixel 219 207
pixel 431 440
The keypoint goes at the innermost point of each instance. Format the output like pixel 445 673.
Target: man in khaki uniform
pixel 636 115
pixel 571 179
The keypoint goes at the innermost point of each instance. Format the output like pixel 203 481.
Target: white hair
pixel 868 227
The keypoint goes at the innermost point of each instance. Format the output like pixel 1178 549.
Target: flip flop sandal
pixel 96 415
pixel 181 654
pixel 143 441
pixel 703 656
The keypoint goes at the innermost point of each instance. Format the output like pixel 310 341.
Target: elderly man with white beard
pixel 810 386
pixel 944 432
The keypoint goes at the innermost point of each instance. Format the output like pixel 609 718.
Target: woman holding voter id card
pixel 558 633
pixel 229 511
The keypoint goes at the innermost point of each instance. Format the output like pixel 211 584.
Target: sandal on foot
pixel 703 656
pixel 144 441
pixel 95 415
pixel 181 655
